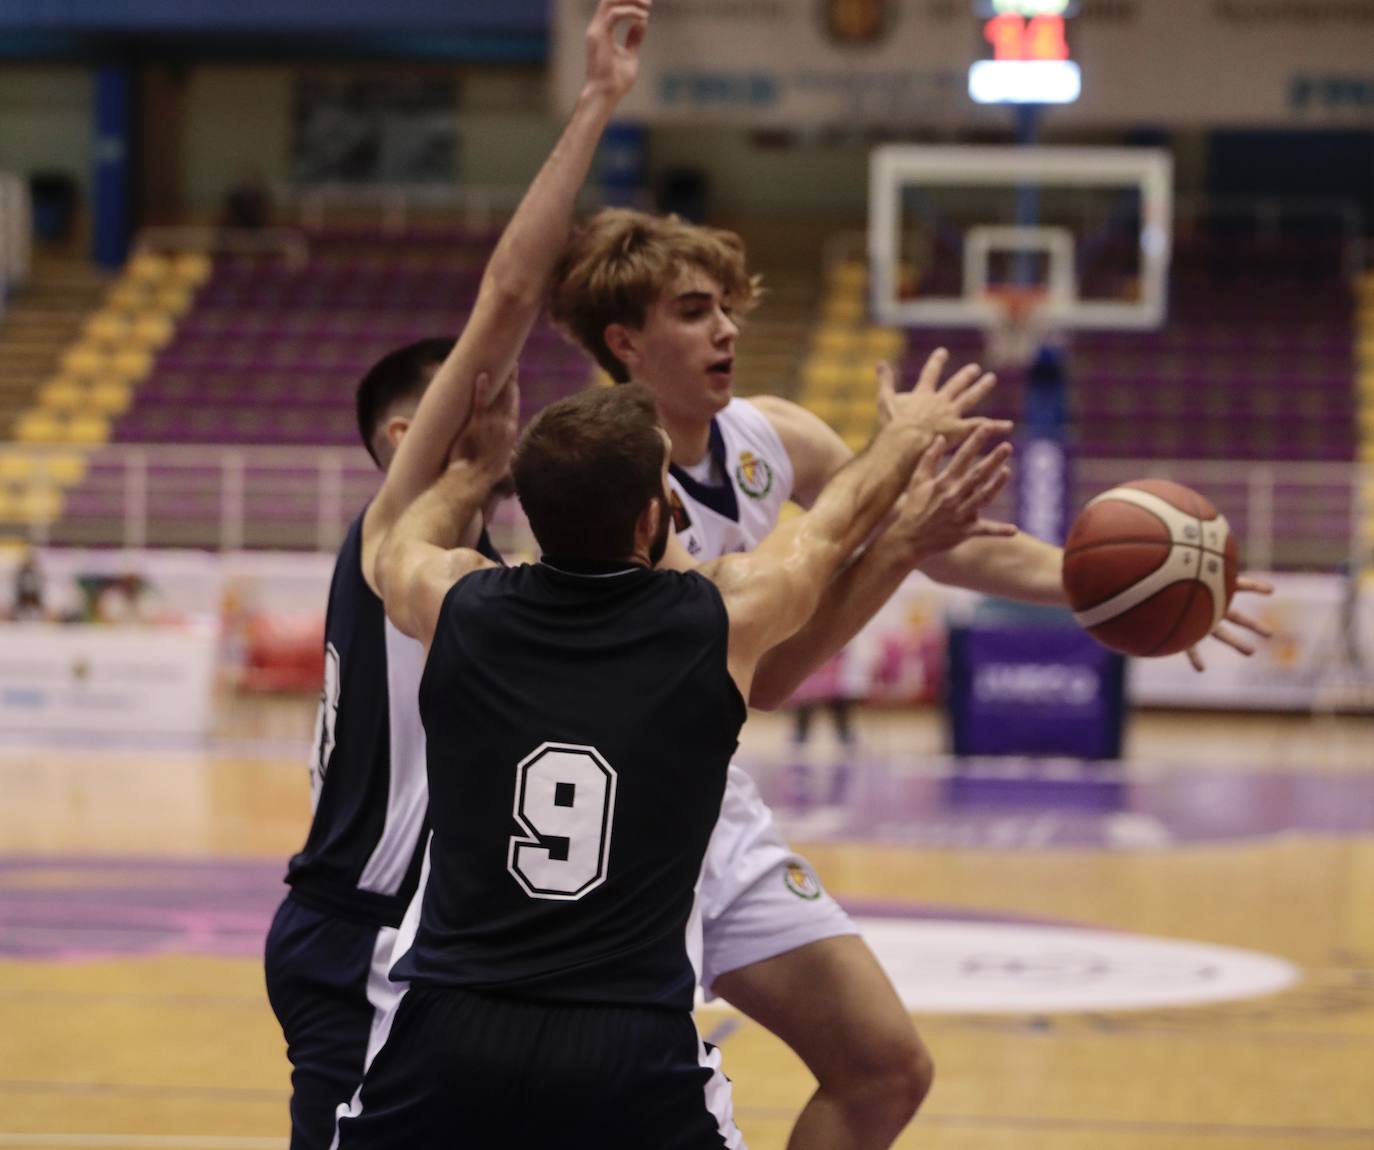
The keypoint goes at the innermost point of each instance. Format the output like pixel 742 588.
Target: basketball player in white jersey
pixel 653 300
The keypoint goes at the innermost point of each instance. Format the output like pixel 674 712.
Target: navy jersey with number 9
pixel 579 725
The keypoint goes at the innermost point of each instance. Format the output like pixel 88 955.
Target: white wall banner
pixel 108 680
pixel 905 63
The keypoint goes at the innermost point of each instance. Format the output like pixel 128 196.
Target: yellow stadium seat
pixel 148 267
pixel 129 297
pixel 832 340
pixel 175 300
pixel 15 466
pixel 9 505
pixel 825 376
pixel 844 309
pixel 39 505
pixel 884 342
pixel 88 428
pixel 107 327
pixel 38 426
pixel 153 331
pixel 63 468
pixel 84 359
pixel 826 407
pixel 849 274
pixel 110 397
pixel 191 268
pixel 61 395
pixel 131 363
pixel 855 440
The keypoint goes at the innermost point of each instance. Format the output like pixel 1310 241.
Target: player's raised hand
pixel 1223 634
pixel 943 409
pixel 489 436
pixel 943 507
pixel 613 60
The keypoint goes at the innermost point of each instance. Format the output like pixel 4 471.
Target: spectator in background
pixel 28 589
pixel 248 203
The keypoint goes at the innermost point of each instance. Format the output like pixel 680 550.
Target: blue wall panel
pixel 526 17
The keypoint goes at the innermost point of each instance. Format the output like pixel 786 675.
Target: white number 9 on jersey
pixel 565 801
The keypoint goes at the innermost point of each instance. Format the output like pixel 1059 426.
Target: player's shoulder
pixel 793 422
pixel 813 448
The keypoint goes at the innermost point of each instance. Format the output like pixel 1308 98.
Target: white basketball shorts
pixel 758 898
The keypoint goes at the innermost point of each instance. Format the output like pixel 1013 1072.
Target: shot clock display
pixel 1030 57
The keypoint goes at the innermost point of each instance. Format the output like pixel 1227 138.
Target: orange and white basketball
pixel 1150 567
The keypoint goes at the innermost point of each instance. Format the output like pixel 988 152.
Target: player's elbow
pixel 509 286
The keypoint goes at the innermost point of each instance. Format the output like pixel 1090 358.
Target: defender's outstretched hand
pixel 945 409
pixel 613 63
pixel 1224 634
pixel 943 508
pixel 489 436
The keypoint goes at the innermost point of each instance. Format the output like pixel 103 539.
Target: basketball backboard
pixel 1089 229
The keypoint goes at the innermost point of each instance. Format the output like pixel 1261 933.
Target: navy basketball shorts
pixel 326 978
pixel 481 1072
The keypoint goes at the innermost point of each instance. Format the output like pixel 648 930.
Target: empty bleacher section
pixel 42 323
pixel 263 360
pixel 177 414
pixel 1248 392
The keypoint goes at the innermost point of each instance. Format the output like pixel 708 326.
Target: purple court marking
pixel 78 909
pixel 1027 806
pixel 72 909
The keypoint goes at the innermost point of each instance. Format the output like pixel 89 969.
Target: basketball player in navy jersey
pixel 581 714
pixel 656 300
pixel 330 944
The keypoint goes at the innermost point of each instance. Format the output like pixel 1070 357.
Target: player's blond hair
pixel 620 261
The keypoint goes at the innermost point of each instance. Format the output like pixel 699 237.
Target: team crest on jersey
pixel 754 475
pixel 681 520
pixel 801 882
pixel 857 22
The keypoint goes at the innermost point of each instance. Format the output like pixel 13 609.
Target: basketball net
pixel 1020 328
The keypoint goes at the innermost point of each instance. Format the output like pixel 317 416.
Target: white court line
pixel 140 1141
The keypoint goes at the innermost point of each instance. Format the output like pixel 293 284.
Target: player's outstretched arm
pixel 940 508
pixel 517 276
pixel 858 593
pixel 419 559
pixel 770 592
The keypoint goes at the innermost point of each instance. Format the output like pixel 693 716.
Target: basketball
pixel 1150 567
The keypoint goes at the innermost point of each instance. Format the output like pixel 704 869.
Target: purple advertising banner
pixel 1033 690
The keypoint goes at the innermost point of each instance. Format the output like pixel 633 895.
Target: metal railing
pixel 1288 516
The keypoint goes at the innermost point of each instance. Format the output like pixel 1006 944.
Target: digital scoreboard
pixel 1028 58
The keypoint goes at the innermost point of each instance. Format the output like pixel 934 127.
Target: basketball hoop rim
pixel 1016 305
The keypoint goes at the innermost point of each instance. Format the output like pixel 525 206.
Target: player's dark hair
pixel 585 469
pixel 400 376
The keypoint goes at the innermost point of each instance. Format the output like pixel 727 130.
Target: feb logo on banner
pixel 857 23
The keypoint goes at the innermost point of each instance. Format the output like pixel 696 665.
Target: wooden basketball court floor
pixel 136 885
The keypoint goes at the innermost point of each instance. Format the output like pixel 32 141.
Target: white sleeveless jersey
pixel 715 521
